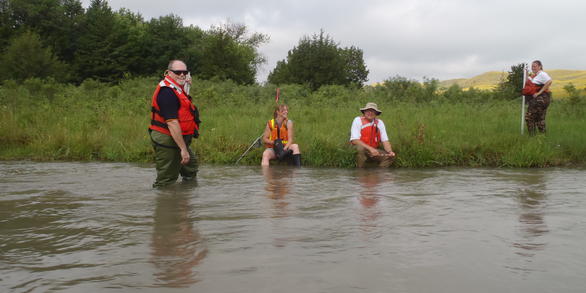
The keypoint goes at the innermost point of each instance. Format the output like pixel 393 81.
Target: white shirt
pixel 357 127
pixel 541 78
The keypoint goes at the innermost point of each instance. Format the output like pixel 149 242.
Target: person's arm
pixel 266 135
pixel 388 148
pixel 385 139
pixel 175 130
pixel 544 88
pixel 290 132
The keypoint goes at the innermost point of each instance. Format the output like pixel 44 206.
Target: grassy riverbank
pixel 427 127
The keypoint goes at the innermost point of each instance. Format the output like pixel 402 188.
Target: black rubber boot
pixel 297 160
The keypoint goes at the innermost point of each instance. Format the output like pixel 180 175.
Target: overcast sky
pixel 441 39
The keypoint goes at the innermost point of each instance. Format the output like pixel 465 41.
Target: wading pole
pixel 277 96
pixel 254 143
pixel 523 100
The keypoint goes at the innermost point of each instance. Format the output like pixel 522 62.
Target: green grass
pixel 47 121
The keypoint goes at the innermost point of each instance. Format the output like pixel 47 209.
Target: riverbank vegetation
pixel 75 85
pixel 428 126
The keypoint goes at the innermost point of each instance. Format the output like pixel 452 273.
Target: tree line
pixel 61 39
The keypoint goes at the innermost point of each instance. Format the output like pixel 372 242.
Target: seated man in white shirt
pixel 367 134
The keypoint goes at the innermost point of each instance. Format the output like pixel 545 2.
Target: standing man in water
pixel 174 123
pixel 366 134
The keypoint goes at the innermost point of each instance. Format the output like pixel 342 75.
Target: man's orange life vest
pixel 369 133
pixel 187 114
pixel 276 132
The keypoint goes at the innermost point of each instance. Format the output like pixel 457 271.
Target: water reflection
pixel 369 196
pixel 278 184
pixel 531 200
pixel 177 246
pixel 92 227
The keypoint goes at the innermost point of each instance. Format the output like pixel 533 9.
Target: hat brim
pixel 375 110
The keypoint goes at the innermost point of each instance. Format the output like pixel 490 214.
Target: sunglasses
pixel 179 72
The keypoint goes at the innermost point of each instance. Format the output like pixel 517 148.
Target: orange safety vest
pixel 369 133
pixel 532 88
pixel 188 115
pixel 276 132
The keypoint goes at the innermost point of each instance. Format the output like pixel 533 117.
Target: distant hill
pixel 490 80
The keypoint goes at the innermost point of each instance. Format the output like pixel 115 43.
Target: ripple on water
pixel 100 227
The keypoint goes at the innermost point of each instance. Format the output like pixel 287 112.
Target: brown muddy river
pixel 100 227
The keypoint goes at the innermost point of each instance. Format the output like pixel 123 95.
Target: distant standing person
pixel 367 134
pixel 174 123
pixel 278 137
pixel 539 101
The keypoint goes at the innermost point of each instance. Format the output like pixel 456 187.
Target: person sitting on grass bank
pixel 278 138
pixel 174 123
pixel 366 134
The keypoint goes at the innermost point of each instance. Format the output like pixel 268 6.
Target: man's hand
pixel 175 130
pixel 184 157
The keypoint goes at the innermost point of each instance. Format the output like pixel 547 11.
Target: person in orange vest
pixel 278 137
pixel 367 134
pixel 174 124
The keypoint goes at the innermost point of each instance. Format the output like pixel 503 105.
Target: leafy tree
pixel 39 16
pixel 229 52
pixel 165 39
pixel 101 51
pixel 318 61
pixel 26 57
pixel 6 24
pixel 192 52
pixel 128 42
pixel 315 61
pixel 280 74
pixel 57 21
pixel 354 67
pixel 66 38
pixel 512 84
pixel 104 45
pixel 93 57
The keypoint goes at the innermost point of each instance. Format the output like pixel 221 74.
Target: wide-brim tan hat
pixel 371 106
